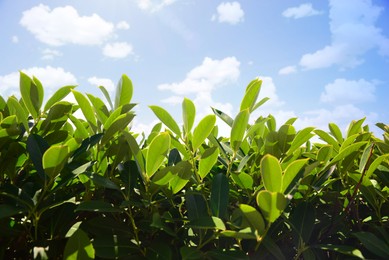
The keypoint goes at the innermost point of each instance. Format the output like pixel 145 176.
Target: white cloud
pixel 353 33
pixel 303 10
pixel 49 54
pixel 118 50
pixel 51 78
pixel 229 12
pixel 63 25
pixel 123 25
pixel 343 91
pixel 154 5
pixel 206 77
pixel 107 83
pixel 15 39
pixel 287 70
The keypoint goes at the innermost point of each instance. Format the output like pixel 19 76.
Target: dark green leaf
pixel 219 195
pixel 196 206
pixel 373 244
pixel 303 220
pixel 36 146
pixel 96 206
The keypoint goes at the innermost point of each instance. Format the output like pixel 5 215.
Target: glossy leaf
pixel 166 118
pixel 335 131
pixel 54 159
pixel 373 244
pixel 239 128
pixel 16 109
pixel 156 153
pixel 188 114
pixel 301 138
pixel 253 218
pixel 251 95
pixel 271 173
pixel 79 247
pixel 86 107
pixel 327 138
pixel 207 161
pixel 303 220
pixel 184 173
pixel 355 127
pixel 197 206
pixel 243 180
pixel 58 96
pixel 202 131
pixel 207 223
pixel 124 91
pixel 375 164
pixel 36 146
pixel 324 154
pixel 119 124
pixel 32 94
pixel 292 174
pixel 99 107
pixel 223 116
pixel 286 135
pixel 219 195
pixel 272 204
pixel 347 151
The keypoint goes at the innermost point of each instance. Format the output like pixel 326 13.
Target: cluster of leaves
pixel 88 187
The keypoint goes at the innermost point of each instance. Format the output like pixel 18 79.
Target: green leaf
pixel 124 90
pixel 271 173
pixel 96 206
pixel 184 173
pixel 119 124
pixel 251 95
pixel 16 109
pixel 156 153
pixel 79 247
pixel 58 96
pixel 196 206
pixel 303 220
pixel 190 253
pixel 286 135
pixel 86 108
pixel 355 127
pixel 373 244
pixel 335 131
pixel 10 210
pixel 253 218
pixel 346 250
pixel 81 131
pixel 324 154
pixel 223 116
pixel 54 159
pixel 102 181
pixel 99 107
pixel 272 204
pixel 327 138
pixel 219 195
pixel 374 165
pixel 271 123
pixel 239 128
pixel 291 174
pixel 207 223
pixel 32 94
pixel 166 118
pixel 207 161
pixel 202 131
pixel 36 147
pixel 260 103
pixel 188 114
pixel 301 138
pixel 106 95
pixel 347 151
pixel 243 180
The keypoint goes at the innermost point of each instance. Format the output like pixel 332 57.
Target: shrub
pixel 88 187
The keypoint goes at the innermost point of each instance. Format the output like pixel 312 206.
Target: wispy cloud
pixel 154 5
pixel 343 91
pixel 105 82
pixel 303 10
pixel 229 12
pixel 50 54
pixel 287 70
pixel 353 33
pixel 123 25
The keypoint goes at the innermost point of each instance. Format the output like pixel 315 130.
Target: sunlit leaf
pixel 202 130
pixel 239 128
pixel 124 91
pixel 166 118
pixel 58 96
pixel 188 114
pixel 79 247
pixel 156 153
pixel 207 161
pixel 54 159
pixel 271 173
pixel 272 204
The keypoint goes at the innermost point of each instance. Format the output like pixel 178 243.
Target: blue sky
pixel 321 61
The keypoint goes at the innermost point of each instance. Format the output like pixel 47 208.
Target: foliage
pixel 88 187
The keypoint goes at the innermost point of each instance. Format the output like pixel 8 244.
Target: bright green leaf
pixel 202 131
pixel 156 153
pixel 271 173
pixel 251 95
pixel 54 159
pixel 124 91
pixel 291 174
pixel 207 161
pixel 239 128
pixel 58 96
pixel 271 204
pixel 32 94
pixel 301 138
pixel 188 114
pixel 335 131
pixel 253 218
pixel 86 108
pixel 79 247
pixel 166 118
